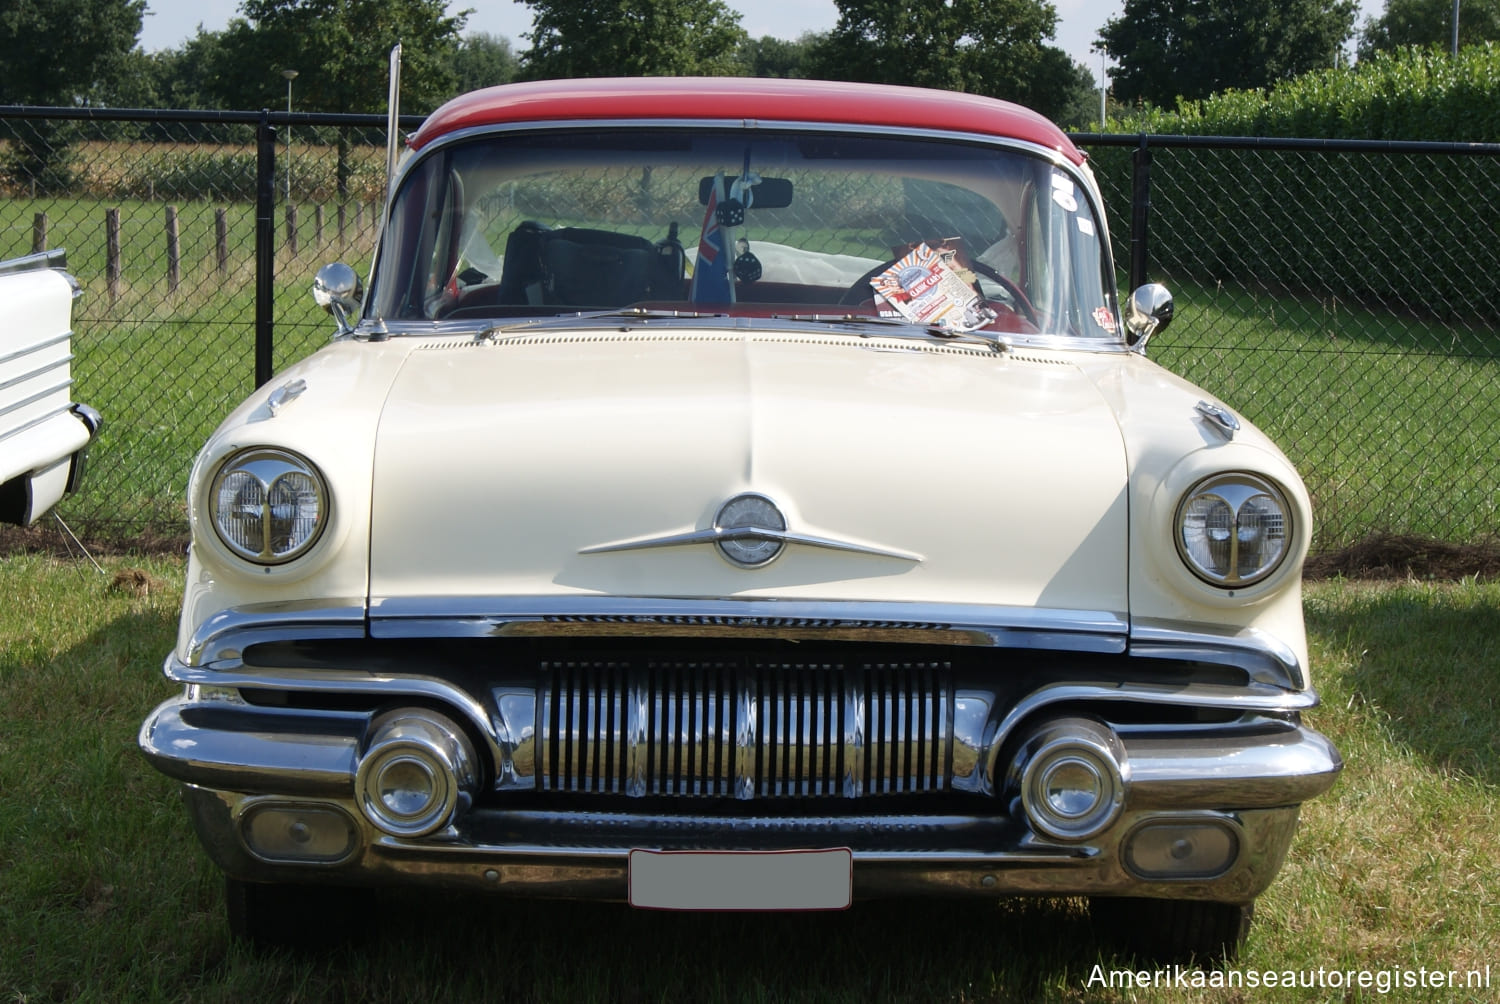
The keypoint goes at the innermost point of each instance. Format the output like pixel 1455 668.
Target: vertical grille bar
pixel 722 728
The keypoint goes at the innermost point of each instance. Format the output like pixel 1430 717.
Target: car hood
pixel 573 464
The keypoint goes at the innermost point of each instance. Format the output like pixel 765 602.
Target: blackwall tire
pixel 308 917
pixel 1172 930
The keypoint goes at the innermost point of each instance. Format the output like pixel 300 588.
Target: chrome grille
pixel 746 730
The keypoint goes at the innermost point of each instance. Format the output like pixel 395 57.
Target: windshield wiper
pixel 521 325
pixel 902 329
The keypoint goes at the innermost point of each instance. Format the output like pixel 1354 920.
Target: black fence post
pixel 1140 212
pixel 265 245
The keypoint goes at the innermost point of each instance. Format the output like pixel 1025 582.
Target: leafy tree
pixel 777 57
pixel 1170 49
pixel 1429 22
pixel 632 38
pixel 196 74
pixel 993 47
pixel 340 50
pixel 483 60
pixel 59 52
pixel 1081 109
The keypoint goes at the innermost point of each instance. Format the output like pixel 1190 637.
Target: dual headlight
pixel 267 505
pixel 1234 530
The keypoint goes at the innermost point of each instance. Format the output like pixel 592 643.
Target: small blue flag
pixel 711 282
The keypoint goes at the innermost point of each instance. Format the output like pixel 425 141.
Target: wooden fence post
pixel 112 252
pixel 221 241
pixel 291 227
pixel 174 251
pixel 318 225
pixel 38 233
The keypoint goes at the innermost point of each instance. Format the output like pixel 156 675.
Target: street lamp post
pixel 290 75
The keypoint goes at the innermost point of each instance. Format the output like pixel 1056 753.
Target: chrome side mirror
pixel 337 289
pixel 1148 312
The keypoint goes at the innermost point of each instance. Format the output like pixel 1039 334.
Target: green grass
pixel 104 894
pixel 1391 420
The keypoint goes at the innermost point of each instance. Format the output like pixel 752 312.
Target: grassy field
pixel 1391 420
pixel 104 894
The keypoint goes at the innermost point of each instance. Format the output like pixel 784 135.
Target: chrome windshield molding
pixel 629 126
pixel 1266 659
pixel 223 637
pixel 1080 175
pixel 945 624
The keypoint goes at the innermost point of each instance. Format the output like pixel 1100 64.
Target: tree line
pixel 70 52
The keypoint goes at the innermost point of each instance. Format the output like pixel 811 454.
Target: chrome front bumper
pixel 250 770
pixel 541 854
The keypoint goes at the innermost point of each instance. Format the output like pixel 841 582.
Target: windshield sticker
pixel 1105 319
pixel 1065 199
pixel 1085 226
pixel 924 287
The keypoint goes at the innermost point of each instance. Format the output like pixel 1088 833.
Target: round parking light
pixel 1070 775
pixel 417 772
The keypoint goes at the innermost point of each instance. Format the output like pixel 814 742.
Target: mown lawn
pixel 104 894
pixel 1390 419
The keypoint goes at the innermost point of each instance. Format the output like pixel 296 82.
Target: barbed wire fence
pixel 1343 296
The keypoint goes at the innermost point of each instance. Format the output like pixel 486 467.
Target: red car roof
pixel 743 98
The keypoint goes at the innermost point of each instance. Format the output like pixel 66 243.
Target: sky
pixel 170 22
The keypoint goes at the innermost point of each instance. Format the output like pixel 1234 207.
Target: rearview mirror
pixel 768 193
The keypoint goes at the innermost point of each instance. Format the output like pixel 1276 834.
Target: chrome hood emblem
pixel 749 531
pixel 752 531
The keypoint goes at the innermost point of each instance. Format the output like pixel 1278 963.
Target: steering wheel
pixel 860 290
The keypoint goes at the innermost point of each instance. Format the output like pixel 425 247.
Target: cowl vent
pixel 876 344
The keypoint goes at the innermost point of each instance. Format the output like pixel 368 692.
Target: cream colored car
pixel 44 434
pixel 743 494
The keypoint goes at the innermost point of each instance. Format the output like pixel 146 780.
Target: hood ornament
pixel 749 531
pixel 752 531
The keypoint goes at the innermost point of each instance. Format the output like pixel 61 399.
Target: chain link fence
pixel 1343 296
pixel 195 280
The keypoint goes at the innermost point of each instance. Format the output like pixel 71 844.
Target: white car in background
pixel 44 434
pixel 743 494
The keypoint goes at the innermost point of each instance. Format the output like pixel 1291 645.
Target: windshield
pixel 758 224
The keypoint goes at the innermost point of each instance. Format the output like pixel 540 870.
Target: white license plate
pixel 742 880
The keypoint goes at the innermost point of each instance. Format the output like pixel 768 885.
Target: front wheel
pixel 295 916
pixel 1173 930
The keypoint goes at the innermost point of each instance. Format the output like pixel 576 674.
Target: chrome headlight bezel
pixel 268 469
pixel 1234 493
